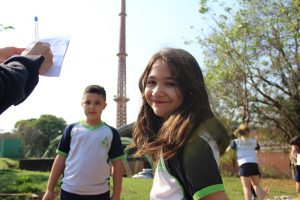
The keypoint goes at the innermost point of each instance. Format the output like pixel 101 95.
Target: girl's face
pixel 93 104
pixel 162 92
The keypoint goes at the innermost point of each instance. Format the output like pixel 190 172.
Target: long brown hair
pixel 151 134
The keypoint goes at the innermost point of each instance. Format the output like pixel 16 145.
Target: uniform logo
pixel 104 143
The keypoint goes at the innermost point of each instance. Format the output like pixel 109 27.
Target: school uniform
pixel 246 156
pixel 89 151
pixel 192 173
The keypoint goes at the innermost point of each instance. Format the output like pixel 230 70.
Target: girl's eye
pixel 150 82
pixel 171 84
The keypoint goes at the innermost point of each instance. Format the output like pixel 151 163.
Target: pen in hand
pixel 36 29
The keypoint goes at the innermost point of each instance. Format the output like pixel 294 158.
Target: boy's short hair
pixel 95 89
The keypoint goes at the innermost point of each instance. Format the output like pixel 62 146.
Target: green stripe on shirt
pixel 208 190
pixel 61 153
pixel 118 158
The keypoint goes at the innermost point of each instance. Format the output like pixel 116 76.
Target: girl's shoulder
pixel 215 130
pixel 201 141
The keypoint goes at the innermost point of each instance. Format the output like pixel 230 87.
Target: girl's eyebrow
pixel 151 77
pixel 168 78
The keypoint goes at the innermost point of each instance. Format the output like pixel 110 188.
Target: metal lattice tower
pixel 120 98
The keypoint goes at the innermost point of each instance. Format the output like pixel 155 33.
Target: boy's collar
pixel 90 127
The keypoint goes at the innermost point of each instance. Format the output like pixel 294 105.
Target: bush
pixel 270 173
pixel 18 181
pixel 228 164
pixel 6 163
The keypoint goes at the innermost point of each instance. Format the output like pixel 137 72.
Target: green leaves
pixel 38 133
pixel 2 27
pixel 252 63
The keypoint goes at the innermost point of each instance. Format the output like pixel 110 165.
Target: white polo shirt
pixel 89 150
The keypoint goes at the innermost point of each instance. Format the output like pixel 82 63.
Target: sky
pixel 94 27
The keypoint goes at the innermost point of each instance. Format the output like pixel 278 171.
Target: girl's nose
pixel 157 90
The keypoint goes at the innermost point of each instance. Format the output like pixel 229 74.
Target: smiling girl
pixel 177 127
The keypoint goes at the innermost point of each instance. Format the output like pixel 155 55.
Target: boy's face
pixel 93 104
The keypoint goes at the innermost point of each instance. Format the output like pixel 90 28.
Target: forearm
pixel 293 156
pixel 293 159
pixel 117 185
pixel 18 78
pixel 56 172
pixel 117 174
pixel 31 63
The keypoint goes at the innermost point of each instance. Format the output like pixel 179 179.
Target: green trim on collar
pixel 208 190
pixel 91 128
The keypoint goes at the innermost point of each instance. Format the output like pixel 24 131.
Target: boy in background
pixel 89 151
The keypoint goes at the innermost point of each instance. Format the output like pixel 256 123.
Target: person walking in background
pixel 19 72
pixel 177 127
pixel 88 152
pixel 253 134
pixel 246 146
pixel 295 161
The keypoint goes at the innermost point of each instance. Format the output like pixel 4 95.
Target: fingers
pixel 37 49
pixel 48 62
pixel 7 52
pixel 41 48
pixel 19 51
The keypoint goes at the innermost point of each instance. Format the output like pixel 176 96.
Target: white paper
pixel 59 46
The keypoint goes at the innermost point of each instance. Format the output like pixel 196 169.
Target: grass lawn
pixel 20 181
pixel 278 188
pixel 17 181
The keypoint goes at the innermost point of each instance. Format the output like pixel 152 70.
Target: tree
pixel 37 133
pixel 3 27
pixel 253 65
pixel 51 127
pixel 30 135
pixel 52 147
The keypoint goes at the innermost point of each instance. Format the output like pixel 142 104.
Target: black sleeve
pixel 196 168
pixel 233 144
pixel 116 149
pixel 65 141
pixel 18 77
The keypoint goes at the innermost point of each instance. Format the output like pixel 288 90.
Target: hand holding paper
pixel 59 46
pixel 41 48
